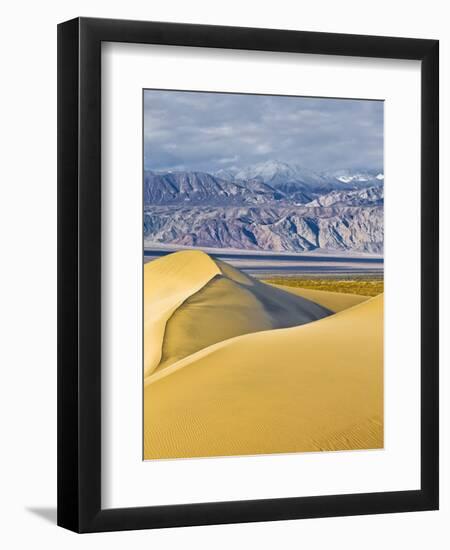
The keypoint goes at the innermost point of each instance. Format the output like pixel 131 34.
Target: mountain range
pixel 271 206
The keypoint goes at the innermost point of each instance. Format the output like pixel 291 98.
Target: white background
pixel 28 296
pixel 127 480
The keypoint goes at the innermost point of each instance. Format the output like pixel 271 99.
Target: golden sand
pixel 168 282
pixel 313 387
pixel 336 301
pixel 231 304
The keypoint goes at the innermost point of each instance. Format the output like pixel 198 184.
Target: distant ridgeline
pixel 272 206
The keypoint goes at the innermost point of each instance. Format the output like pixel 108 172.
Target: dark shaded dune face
pixel 231 305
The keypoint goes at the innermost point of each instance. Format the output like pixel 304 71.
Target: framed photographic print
pixel 248 275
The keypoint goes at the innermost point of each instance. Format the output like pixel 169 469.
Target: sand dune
pixel 168 282
pixel 228 305
pixel 313 387
pixel 335 301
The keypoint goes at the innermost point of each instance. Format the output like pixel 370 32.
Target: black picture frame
pixel 79 274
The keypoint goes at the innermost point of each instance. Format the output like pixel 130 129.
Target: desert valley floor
pixel 236 366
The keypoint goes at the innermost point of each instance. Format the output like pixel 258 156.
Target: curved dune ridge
pixel 228 305
pixel 168 282
pixel 225 377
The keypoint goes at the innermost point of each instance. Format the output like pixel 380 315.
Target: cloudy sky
pixel 209 131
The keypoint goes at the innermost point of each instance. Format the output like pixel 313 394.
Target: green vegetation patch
pixel 362 286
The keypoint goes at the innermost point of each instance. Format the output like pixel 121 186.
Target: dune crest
pixel 223 303
pixel 168 282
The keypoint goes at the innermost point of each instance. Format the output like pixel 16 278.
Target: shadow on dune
pixel 232 304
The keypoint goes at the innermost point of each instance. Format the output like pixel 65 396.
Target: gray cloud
pixel 209 131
